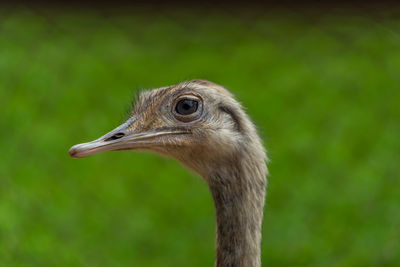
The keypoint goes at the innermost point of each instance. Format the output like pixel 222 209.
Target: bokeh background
pixel 321 83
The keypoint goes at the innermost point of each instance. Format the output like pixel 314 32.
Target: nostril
pixel 115 136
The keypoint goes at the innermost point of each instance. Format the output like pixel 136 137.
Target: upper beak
pixel 121 138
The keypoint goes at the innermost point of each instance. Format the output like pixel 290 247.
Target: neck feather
pixel 238 191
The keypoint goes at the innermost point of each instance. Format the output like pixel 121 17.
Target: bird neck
pixel 238 193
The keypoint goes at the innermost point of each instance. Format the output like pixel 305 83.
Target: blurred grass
pixel 324 91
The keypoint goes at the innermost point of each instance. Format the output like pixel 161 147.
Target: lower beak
pixel 122 138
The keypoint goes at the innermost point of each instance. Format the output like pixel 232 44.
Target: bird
pixel 201 124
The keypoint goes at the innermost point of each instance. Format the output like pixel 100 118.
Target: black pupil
pixel 186 107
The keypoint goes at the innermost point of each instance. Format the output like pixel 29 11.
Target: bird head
pixel 199 123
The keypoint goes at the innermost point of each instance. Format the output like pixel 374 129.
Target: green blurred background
pixel 322 86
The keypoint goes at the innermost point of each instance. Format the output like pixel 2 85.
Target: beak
pixel 122 138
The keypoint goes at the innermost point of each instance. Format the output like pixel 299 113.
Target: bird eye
pixel 186 107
